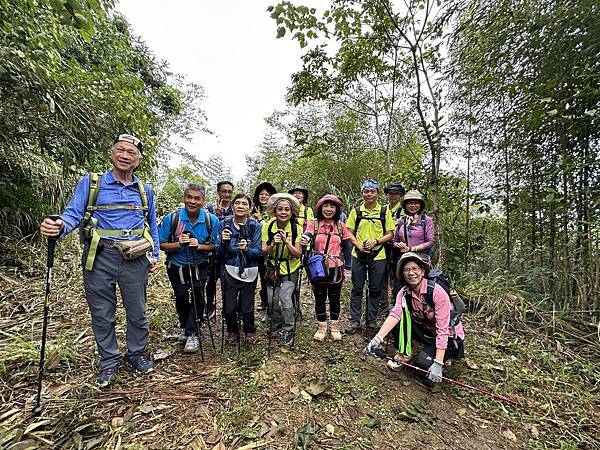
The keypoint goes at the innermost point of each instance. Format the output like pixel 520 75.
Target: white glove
pixel 373 346
pixel 435 372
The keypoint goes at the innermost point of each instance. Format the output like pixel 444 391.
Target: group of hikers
pixel 273 238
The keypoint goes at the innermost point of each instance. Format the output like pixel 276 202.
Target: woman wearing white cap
pixel 281 246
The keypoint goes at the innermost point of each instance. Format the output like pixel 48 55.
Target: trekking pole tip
pixel 37 410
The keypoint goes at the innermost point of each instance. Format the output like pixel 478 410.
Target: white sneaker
pixel 191 344
pixel 182 337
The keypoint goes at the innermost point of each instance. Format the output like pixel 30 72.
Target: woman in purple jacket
pixel 414 231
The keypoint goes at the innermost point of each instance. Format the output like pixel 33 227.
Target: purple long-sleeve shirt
pixel 437 320
pixel 412 234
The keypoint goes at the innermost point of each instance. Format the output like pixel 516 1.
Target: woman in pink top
pixel 414 231
pixel 429 325
pixel 327 233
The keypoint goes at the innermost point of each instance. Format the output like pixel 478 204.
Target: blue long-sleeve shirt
pixel 112 192
pixel 230 253
pixel 226 214
pixel 199 231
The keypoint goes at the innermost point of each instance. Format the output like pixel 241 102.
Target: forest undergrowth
pixel 319 395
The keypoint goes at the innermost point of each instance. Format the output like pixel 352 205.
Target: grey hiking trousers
pixel 281 305
pixel 100 285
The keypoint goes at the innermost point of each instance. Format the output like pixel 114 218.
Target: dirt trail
pixel 320 395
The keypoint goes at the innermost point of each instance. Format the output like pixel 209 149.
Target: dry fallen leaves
pixel 509 435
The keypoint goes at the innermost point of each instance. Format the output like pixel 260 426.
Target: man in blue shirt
pixel 223 209
pixel 123 214
pixel 185 236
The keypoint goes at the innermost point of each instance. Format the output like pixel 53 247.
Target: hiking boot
pixel 394 363
pixel 232 338
pixel 334 330
pixel 321 332
pixel 372 325
pixel 250 338
pixel 182 338
pixel 286 338
pixel 352 327
pixel 140 363
pixel 107 376
pixel 192 344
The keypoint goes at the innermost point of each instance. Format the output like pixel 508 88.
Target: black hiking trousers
pixel 424 359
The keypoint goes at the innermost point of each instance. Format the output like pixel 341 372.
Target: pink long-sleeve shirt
pixel 412 234
pixel 437 320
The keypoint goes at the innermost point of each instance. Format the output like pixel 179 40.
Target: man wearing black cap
pixel 223 209
pixel 118 218
pixel 394 192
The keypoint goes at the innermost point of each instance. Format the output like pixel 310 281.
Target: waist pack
pixel 134 248
pixel 271 273
pixel 316 268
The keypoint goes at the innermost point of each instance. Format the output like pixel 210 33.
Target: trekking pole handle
pixel 51 243
pixel 189 233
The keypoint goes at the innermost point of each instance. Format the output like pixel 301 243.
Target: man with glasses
pixel 117 214
pixel 394 192
pixel 223 209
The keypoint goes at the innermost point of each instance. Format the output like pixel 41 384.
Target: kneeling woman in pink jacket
pixel 424 312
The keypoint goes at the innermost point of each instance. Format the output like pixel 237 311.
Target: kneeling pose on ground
pixel 238 243
pixel 281 246
pixel 185 236
pixel 325 267
pixel 423 309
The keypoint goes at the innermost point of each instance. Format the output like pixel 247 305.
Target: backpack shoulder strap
pixel 208 221
pixel 359 217
pixel 294 226
pixel 270 232
pixel 174 224
pixel 143 196
pixel 429 294
pixel 95 179
pixel 382 214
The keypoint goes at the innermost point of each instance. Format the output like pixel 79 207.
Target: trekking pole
pixel 193 295
pixel 210 332
pixel 297 294
pixel 37 409
pixel 463 384
pixel 366 338
pixel 271 304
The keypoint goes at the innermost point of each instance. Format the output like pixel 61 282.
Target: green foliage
pixel 72 77
pixel 529 112
pixel 328 150
pixel 171 186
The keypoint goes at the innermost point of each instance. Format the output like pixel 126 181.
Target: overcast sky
pixel 229 47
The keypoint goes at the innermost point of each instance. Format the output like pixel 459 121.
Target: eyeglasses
pixel 414 269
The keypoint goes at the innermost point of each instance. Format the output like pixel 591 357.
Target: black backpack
pixel 175 223
pixel 271 232
pixel 381 218
pixel 360 216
